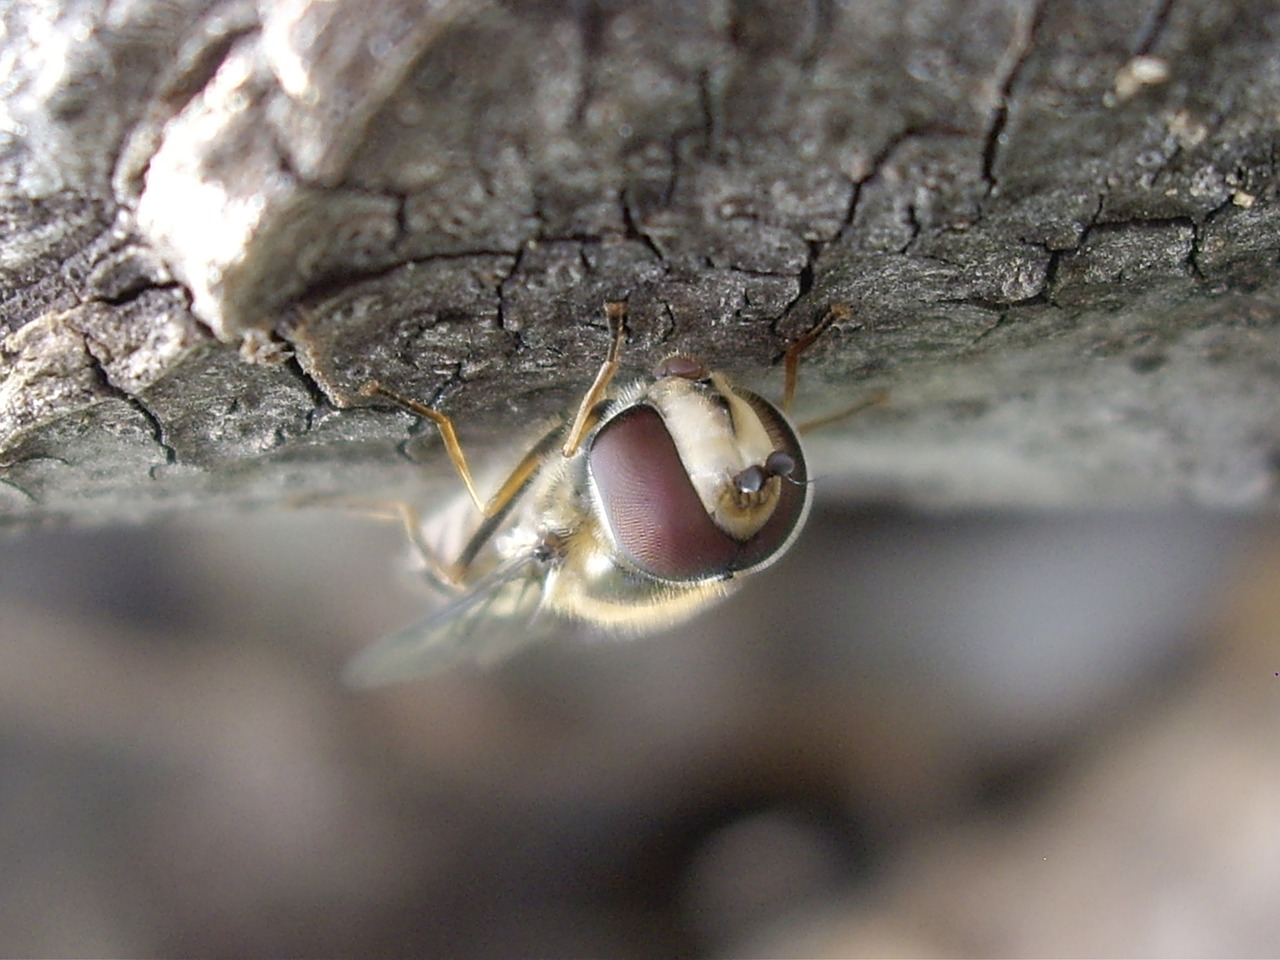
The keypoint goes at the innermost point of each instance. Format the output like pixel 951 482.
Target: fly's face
pixel 652 503
pixel 695 481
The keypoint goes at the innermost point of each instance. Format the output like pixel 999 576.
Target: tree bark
pixel 1054 223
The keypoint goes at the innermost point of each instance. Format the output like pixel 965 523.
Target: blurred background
pixel 961 734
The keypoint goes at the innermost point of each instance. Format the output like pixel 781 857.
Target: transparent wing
pixel 491 621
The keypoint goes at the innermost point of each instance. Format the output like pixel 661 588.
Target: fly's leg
pixel 493 511
pixel 450 436
pixel 791 360
pixel 510 488
pixel 873 400
pixel 615 312
pixel 440 574
pixel 452 575
pixel 791 368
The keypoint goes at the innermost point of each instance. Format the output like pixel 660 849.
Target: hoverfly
pixel 652 503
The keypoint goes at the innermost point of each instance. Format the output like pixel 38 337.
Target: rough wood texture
pixel 1055 223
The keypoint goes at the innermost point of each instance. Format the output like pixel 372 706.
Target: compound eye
pixel 650 505
pixel 682 366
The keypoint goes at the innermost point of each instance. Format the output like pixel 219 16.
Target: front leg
pixel 615 312
pixel 441 575
pixel 450 437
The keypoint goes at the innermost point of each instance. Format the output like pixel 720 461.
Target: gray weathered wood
pixel 1055 223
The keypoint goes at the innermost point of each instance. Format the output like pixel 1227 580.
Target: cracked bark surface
pixel 1055 223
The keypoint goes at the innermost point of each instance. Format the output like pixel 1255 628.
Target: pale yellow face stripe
pixel 715 443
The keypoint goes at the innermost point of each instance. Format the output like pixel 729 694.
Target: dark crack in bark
pixel 1022 47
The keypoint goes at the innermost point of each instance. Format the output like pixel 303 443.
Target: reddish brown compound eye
pixel 682 366
pixel 655 515
pixel 649 503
